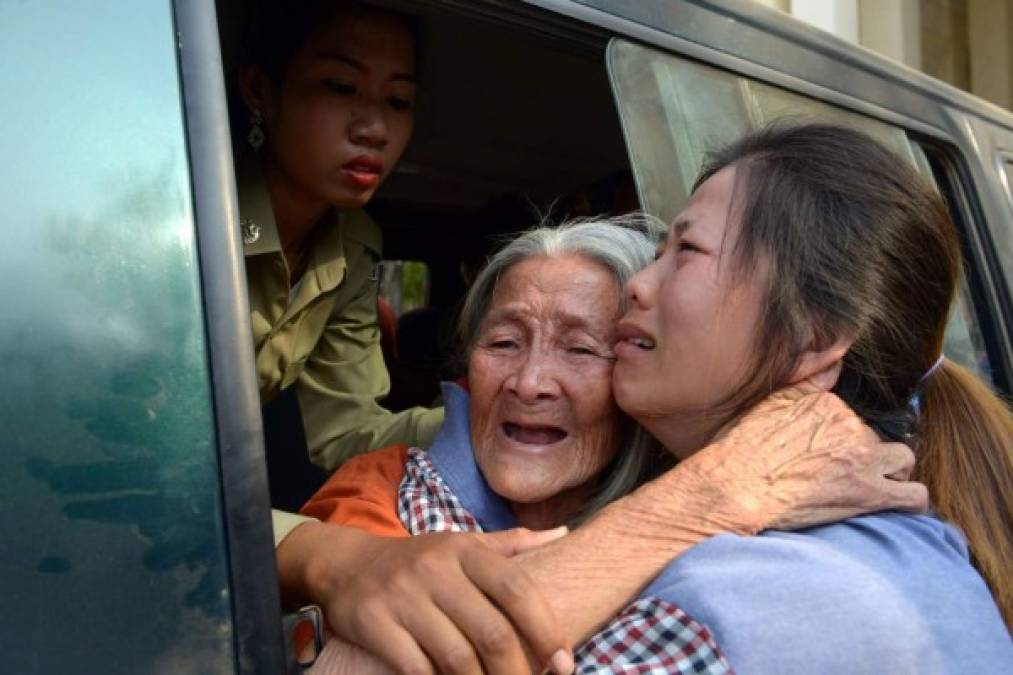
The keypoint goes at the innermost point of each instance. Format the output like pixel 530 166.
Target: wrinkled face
pixel 543 420
pixel 688 339
pixel 343 113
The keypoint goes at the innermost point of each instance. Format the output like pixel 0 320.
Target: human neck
pixel 551 512
pixel 296 212
pixel 684 434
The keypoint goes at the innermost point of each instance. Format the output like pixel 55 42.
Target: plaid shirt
pixel 649 636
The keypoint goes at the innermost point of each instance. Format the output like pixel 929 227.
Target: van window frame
pixel 255 596
pixel 1004 165
pixel 982 267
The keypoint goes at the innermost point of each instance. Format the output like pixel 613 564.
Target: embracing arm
pixel 794 461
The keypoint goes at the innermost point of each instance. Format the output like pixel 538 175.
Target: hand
pixel 798 459
pixel 452 603
pixel 343 658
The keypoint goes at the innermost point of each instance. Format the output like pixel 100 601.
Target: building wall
pixel 964 42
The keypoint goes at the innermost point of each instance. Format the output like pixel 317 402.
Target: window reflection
pixel 111 535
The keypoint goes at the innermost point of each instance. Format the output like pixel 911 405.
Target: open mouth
pixel 632 335
pixel 641 343
pixel 533 435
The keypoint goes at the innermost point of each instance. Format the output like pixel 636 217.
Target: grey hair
pixel 622 244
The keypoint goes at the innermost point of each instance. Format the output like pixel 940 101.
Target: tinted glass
pixel 964 341
pixel 111 556
pixel 1007 179
pixel 404 285
pixel 675 111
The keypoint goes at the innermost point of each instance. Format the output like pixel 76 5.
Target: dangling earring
pixel 256 135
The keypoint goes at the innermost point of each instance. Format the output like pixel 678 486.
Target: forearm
pixel 797 460
pixel 591 574
pixel 340 425
pixel 310 558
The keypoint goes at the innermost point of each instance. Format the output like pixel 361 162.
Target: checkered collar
pixel 453 456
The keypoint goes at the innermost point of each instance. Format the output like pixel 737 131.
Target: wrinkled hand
pixel 448 603
pixel 802 458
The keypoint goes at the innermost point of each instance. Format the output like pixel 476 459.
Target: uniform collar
pixel 256 216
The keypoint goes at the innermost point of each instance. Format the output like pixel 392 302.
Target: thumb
pixel 520 539
pixel 824 380
pixel 817 383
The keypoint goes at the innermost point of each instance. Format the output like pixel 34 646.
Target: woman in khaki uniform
pixel 329 89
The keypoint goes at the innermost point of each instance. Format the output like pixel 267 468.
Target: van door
pixel 113 548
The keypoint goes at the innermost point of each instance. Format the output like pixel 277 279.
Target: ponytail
pixel 964 447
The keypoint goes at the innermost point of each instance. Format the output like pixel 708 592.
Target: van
pixel 136 529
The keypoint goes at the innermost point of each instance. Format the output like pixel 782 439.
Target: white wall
pixel 839 17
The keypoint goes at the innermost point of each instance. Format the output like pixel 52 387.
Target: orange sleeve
pixel 362 493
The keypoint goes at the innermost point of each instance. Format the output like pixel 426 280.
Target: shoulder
pixel 894 587
pixel 360 232
pixel 362 493
pixel 387 462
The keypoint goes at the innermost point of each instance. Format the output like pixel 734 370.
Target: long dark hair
pixel 861 246
pixel 274 31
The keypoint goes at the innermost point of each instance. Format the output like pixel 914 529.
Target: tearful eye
pixel 502 344
pixel 581 351
pixel 688 247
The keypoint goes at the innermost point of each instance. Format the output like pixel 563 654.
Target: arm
pixel 345 377
pixel 440 599
pixel 395 596
pixel 794 461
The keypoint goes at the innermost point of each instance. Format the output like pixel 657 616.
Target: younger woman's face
pixel 688 338
pixel 341 117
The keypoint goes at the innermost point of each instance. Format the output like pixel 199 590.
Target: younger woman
pixel 329 88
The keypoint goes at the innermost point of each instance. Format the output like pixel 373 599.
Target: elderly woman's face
pixel 543 420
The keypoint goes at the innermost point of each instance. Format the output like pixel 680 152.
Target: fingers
pixel 821 381
pixel 489 639
pixel 908 496
pixel 511 542
pixel 451 603
pixel 521 600
pixel 898 461
pixel 453 652
pixel 379 633
pixel 339 657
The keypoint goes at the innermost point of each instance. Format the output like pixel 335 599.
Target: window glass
pixel 111 554
pixel 675 111
pixel 963 341
pixel 1007 178
pixel 404 285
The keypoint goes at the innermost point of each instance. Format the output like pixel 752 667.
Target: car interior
pixel 516 123
pixel 499 145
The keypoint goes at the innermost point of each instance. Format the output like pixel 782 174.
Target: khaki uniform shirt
pixel 322 336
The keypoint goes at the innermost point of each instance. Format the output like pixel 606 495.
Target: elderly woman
pixel 541 436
